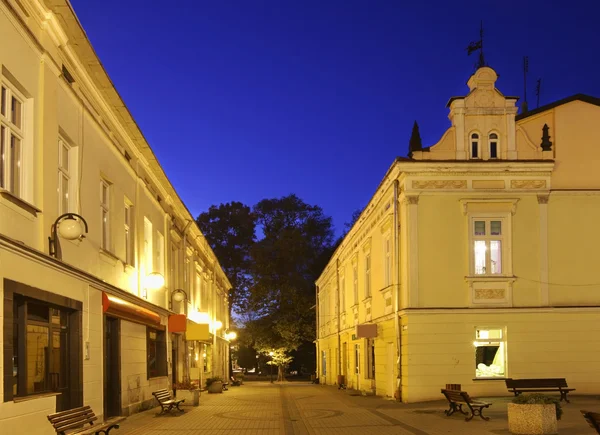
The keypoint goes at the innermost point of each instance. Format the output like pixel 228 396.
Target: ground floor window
pixel 207 352
pixel 324 362
pixel 356 359
pixel 370 366
pixel 490 353
pixel 156 352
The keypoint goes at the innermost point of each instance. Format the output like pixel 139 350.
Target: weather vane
pixel 474 46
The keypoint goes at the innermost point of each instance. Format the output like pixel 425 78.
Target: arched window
pixel 493 146
pixel 474 146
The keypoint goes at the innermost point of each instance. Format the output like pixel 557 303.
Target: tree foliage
pixel 230 231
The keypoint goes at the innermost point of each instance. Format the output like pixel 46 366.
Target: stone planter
pixel 215 387
pixel 529 419
pixel 192 397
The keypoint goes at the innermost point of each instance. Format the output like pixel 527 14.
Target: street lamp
pixel 68 226
pixel 178 295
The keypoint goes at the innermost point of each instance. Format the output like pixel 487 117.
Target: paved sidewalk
pixel 293 408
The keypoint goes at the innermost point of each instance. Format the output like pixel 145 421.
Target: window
pixel 368 276
pixel 64 177
pixel 11 139
pixel 487 245
pixel 490 353
pixel 197 291
pixel 474 146
pixel 493 146
pixel 156 352
pixel 148 253
pixel 370 374
pixel 40 358
pixel 387 253
pixel 323 362
pixel 128 235
pixel 355 283
pixel 207 356
pixel 342 294
pixel 174 265
pixel 356 359
pixel 160 253
pixel 105 214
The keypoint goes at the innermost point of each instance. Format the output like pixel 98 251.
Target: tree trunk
pixel 280 374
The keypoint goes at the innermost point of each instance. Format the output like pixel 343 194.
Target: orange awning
pixel 177 323
pixel 128 311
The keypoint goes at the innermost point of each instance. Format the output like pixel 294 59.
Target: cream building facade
pixel 476 258
pixel 82 323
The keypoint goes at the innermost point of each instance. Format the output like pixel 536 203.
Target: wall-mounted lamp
pixel 218 325
pixel 230 335
pixel 154 281
pixel 178 295
pixel 68 226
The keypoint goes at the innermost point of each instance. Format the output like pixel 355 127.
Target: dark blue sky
pixel 245 99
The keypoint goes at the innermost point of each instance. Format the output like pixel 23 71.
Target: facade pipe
pixel 186 353
pixel 339 339
pixel 397 287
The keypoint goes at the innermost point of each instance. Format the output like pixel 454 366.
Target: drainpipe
pixel 339 339
pixel 397 287
pixel 186 355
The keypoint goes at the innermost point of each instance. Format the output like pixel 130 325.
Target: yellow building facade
pixel 87 320
pixel 476 257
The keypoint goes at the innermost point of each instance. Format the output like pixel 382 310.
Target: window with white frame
pixel 487 245
pixel 356 359
pixel 355 282
pixel 128 233
pixel 490 352
pixel 475 151
pixel 105 214
pixel 342 294
pixel 11 139
pixel 198 290
pixel 64 177
pixel 368 276
pixel 148 257
pixel 174 278
pixel 493 139
pixel 160 253
pixel 387 257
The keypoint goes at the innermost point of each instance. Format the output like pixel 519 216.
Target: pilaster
pixel 543 210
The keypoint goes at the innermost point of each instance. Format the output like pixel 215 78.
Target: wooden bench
pixel 166 401
pixel 593 418
pixel 518 386
pixel 459 398
pixel 235 382
pixel 72 420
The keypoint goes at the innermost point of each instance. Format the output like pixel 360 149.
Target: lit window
pixel 490 353
pixel 474 146
pixel 356 359
pixel 493 146
pixel 355 283
pixel 342 294
pixel 67 173
pixel 387 277
pixel 148 260
pixel 128 234
pixel 160 253
pixel 105 214
pixel 11 140
pixel 487 243
pixel 368 276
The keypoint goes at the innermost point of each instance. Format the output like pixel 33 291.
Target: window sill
pixel 490 379
pixel 367 299
pixel 35 396
pixel 108 256
pixel 154 378
pixel 503 278
pixel 21 203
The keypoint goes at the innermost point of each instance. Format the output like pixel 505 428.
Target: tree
pixel 230 231
pixel 296 246
pixel 415 143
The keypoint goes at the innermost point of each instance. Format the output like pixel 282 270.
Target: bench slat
pixel 537 383
pixel 76 415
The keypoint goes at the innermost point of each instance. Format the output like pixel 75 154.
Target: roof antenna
pixel 525 107
pixel 538 88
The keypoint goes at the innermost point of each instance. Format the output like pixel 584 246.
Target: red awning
pixel 128 311
pixel 177 323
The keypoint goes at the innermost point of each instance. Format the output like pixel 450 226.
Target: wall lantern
pixel 218 325
pixel 154 281
pixel 231 335
pixel 178 295
pixel 68 226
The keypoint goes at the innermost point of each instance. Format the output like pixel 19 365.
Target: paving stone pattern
pixel 262 408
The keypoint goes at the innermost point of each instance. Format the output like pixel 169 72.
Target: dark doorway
pixel 174 363
pixel 112 364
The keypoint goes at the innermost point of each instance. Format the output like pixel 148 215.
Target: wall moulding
pixel 439 184
pixel 528 184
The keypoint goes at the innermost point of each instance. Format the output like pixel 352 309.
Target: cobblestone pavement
pixel 303 408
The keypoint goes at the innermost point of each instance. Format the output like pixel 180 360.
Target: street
pixel 294 408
